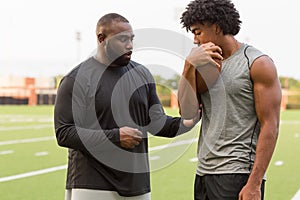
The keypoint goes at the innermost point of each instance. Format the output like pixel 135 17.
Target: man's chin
pixel 121 61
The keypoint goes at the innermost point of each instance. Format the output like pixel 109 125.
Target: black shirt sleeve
pixel 72 127
pixel 162 124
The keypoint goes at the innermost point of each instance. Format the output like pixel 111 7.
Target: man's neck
pixel 230 46
pixel 100 57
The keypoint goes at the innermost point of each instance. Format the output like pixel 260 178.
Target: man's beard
pixel 115 58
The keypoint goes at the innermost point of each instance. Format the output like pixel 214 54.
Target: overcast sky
pixel 38 37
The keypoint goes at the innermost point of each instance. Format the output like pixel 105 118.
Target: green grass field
pixel 27 146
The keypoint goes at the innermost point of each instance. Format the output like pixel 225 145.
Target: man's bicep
pixel 65 128
pixel 63 104
pixel 267 90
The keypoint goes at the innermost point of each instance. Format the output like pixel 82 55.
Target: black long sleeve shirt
pixel 93 102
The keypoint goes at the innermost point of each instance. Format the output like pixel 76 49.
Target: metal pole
pixel 78 38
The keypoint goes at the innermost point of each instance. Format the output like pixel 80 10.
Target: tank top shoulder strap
pixel 251 54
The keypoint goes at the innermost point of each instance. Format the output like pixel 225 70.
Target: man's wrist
pixel 254 181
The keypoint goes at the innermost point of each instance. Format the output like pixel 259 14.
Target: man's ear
pixel 101 37
pixel 218 30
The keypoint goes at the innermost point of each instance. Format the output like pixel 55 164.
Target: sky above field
pixel 38 38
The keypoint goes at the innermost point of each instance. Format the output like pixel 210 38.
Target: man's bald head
pixel 107 20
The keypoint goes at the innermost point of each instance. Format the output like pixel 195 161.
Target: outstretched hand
pixel 192 122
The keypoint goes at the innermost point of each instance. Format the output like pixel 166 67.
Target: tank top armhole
pixel 251 60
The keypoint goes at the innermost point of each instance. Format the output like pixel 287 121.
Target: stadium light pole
pixel 78 38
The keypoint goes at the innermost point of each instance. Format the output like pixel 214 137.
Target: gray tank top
pixel 230 127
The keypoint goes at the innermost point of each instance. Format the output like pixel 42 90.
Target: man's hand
pixel 250 193
pixel 130 137
pixel 205 54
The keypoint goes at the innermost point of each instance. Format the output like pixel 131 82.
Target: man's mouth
pixel 128 54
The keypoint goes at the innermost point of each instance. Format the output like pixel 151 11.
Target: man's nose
pixel 196 41
pixel 129 44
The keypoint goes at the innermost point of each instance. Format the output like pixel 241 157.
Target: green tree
pixel 171 83
pixel 289 83
pixel 165 86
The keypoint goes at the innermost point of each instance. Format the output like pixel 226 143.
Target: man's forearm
pixel 264 151
pixel 82 139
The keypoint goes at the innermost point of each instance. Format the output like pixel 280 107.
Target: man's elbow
pixel 61 138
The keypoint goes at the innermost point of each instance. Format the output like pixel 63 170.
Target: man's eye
pixel 123 39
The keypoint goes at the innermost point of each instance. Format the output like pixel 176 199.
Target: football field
pixel 33 166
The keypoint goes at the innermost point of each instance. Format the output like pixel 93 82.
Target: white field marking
pixel 154 158
pixel 21 120
pixel 33 173
pixel 296 135
pixel 43 153
pixel 6 152
pixel 278 163
pixel 46 120
pixel 296 196
pixel 289 122
pixel 8 117
pixel 13 128
pixel 29 140
pixel 24 119
pixel 62 167
pixel 194 160
pixel 174 144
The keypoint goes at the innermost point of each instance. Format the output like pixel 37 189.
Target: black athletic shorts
pixel 221 186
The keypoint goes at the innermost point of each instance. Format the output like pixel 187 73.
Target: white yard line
pixel 14 128
pixel 29 140
pixel 297 196
pixel 174 144
pixel 33 173
pixel 62 167
pixel 289 122
pixel 6 152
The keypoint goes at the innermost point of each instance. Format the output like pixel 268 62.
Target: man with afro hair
pixel 240 112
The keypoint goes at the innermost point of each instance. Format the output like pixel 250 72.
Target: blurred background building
pixel 17 90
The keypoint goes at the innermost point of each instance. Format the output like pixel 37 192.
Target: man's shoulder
pixel 135 64
pixel 252 49
pixel 141 70
pixel 139 66
pixel 73 72
pixel 252 54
